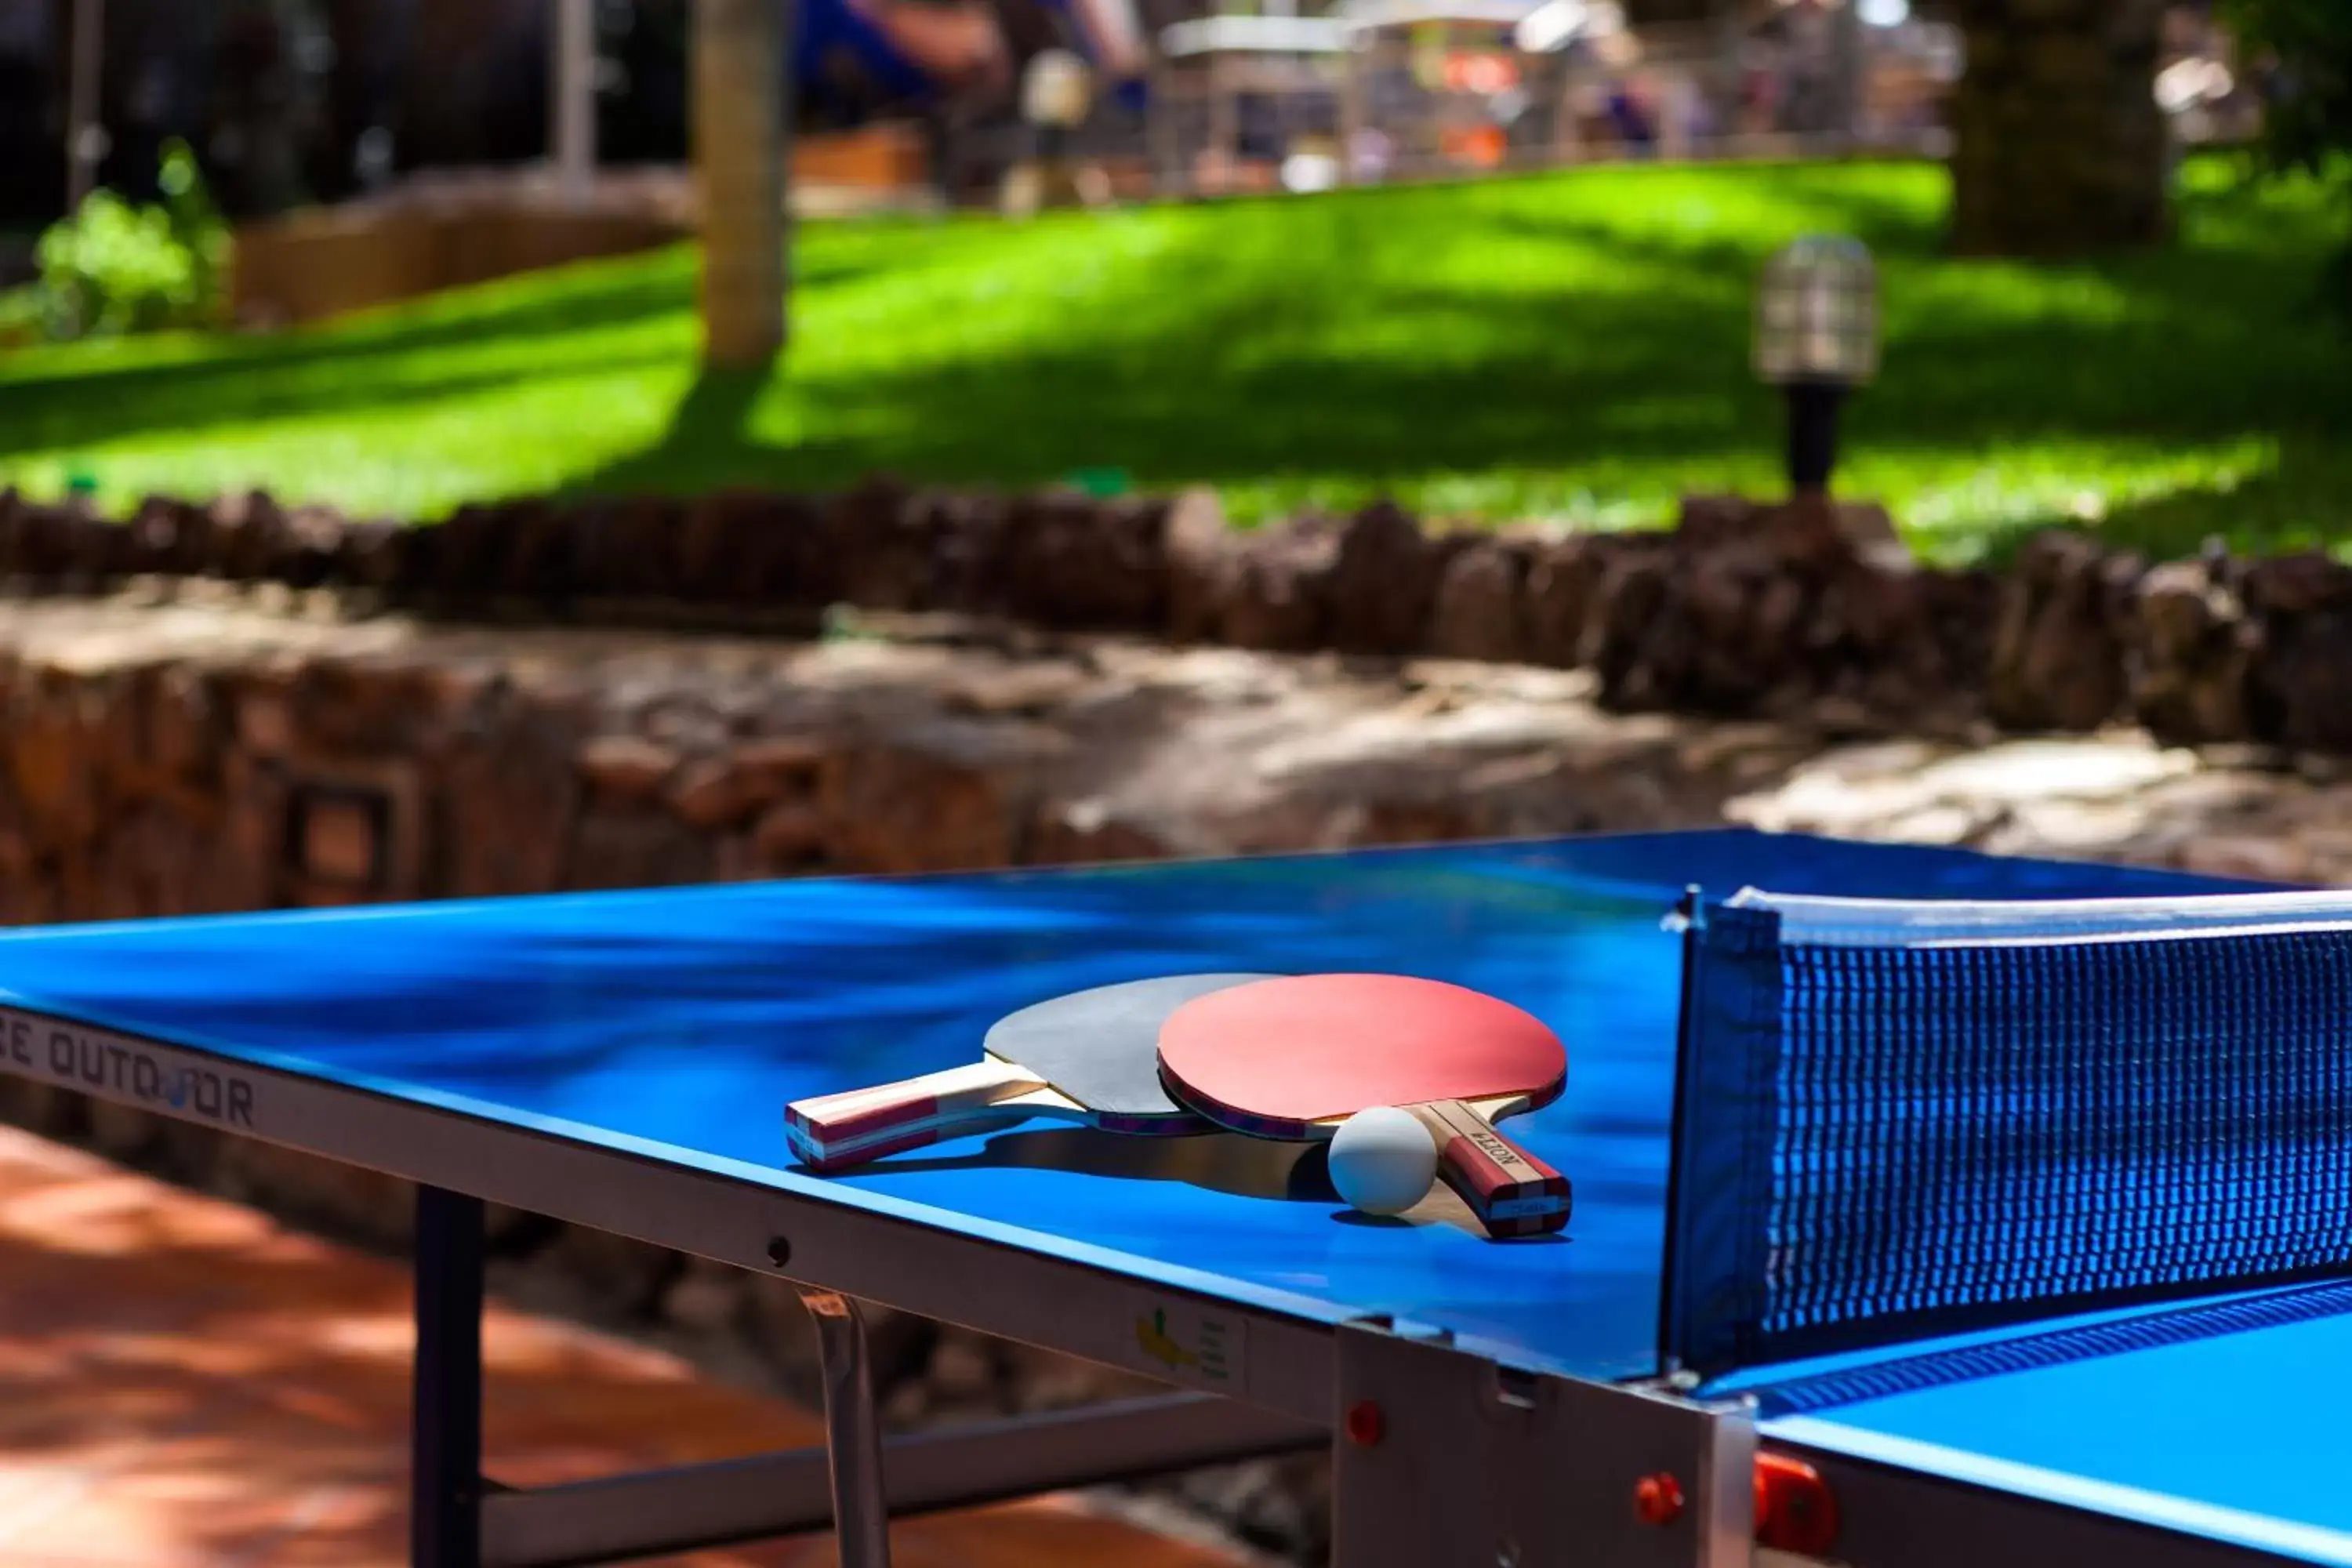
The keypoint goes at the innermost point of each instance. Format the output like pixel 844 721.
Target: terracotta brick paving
pixel 185 1385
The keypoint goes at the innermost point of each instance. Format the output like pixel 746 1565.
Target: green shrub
pixel 115 268
pixel 2306 47
pixel 23 313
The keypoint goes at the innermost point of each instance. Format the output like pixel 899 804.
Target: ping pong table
pixel 621 1061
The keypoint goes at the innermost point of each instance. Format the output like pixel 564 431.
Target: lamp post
pixel 1057 91
pixel 1817 340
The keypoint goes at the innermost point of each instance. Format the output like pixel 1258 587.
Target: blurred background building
pixel 297 104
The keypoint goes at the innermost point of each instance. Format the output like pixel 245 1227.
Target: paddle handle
pixel 1510 1191
pixel 859 1124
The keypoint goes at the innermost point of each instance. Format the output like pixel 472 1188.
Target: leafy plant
pixel 115 268
pixel 23 311
pixel 196 223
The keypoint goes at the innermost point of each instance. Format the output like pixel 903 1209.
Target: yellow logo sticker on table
pixel 1152 1333
pixel 1193 1344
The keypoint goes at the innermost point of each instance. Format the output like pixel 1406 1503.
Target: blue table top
pixel 2231 1436
pixel 680 1022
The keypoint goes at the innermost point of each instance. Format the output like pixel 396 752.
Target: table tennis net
pixel 1903 1119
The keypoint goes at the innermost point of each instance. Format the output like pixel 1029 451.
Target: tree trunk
pixel 739 162
pixel 2060 149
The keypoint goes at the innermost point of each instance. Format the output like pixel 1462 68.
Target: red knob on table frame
pixel 1658 1499
pixel 1795 1510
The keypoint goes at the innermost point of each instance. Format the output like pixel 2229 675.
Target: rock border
pixel 1744 608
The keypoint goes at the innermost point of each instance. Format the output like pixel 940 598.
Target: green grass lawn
pixel 1569 346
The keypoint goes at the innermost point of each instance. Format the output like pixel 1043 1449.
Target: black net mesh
pixel 1968 1135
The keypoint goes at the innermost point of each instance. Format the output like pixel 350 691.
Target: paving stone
pixel 189 1382
pixel 626 768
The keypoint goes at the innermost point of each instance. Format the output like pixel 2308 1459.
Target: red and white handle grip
pixel 1510 1191
pixel 859 1124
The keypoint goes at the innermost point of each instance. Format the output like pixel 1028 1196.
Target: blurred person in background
pixel 1801 39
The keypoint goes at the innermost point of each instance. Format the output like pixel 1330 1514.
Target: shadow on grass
pixel 66 424
pixel 2298 502
pixel 1180 404
pixel 707 436
pixel 1284 363
pixel 2301 503
pixel 327 369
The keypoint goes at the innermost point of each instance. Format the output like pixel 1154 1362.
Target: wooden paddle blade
pixel 1510 1191
pixel 834 1129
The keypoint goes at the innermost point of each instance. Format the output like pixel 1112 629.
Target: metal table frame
pixel 1442 1456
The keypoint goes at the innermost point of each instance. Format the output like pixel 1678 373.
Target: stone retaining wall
pixel 215 753
pixel 1742 609
pixel 2215 650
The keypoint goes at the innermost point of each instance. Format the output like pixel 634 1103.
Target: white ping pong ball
pixel 1383 1160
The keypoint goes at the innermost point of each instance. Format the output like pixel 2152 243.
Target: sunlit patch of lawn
pixel 1571 346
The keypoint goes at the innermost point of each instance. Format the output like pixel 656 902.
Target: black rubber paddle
pixel 1090 1058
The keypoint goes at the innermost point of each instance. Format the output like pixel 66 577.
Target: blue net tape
pixel 1964 1137
pixel 2187 1325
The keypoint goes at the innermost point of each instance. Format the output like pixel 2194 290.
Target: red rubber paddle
pixel 1296 1057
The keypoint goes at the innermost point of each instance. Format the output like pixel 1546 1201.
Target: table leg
pixel 445 1415
pixel 853 1433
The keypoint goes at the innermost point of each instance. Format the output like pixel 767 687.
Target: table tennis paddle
pixel 1294 1057
pixel 1092 1058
